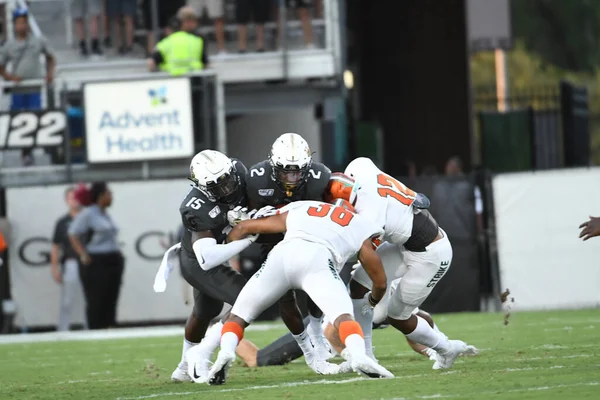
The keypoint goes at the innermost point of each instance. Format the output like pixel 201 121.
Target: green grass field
pixel 552 355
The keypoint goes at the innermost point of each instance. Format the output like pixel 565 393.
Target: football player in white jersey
pixel 413 247
pixel 319 239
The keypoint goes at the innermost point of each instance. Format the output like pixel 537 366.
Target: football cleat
pixel 322 351
pixel 431 353
pixel 198 364
pixel 346 367
pixel 369 368
pixel 365 365
pixel 457 347
pixel 218 373
pixel 323 367
pixel 180 374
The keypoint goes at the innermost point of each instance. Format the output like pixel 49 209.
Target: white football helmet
pixel 290 160
pixel 214 174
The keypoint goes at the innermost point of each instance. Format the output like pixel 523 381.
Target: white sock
pixel 186 346
pixel 314 327
pixel 212 339
pixel 229 342
pixel 427 336
pixel 304 344
pixel 435 328
pixel 365 322
pixel 355 344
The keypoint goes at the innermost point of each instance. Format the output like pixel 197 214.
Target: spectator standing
pixel 260 13
pixel 183 51
pixel 101 260
pixel 167 10
pixel 454 168
pixel 301 7
pixel 65 267
pixel 123 11
pixel 216 12
pixel 91 10
pixel 24 51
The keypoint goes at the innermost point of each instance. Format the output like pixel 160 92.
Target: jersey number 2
pixel 393 188
pixel 338 215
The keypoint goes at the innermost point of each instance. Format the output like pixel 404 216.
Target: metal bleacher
pixel 53 20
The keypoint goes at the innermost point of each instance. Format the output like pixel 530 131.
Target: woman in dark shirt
pixel 101 260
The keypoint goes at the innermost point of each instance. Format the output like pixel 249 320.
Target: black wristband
pixel 372 300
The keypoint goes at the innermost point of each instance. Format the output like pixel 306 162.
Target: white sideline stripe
pixel 125 333
pixel 283 385
pixel 343 381
pixel 479 394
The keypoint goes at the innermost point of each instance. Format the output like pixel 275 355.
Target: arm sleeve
pixel 81 223
pixel 210 254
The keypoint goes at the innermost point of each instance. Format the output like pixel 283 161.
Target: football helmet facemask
pixel 290 160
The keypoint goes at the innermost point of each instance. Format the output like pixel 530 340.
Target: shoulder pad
pixel 261 170
pixel 259 186
pixel 198 213
pixel 239 166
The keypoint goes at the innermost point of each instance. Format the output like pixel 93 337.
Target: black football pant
pixel 101 281
pixel 212 288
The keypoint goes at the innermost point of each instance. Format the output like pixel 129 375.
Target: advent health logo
pixel 138 120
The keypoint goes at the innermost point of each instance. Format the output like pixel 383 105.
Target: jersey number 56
pixel 338 215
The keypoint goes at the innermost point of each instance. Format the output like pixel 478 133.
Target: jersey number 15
pixel 338 215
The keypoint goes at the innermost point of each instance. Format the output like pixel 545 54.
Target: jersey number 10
pixel 339 215
pixel 393 188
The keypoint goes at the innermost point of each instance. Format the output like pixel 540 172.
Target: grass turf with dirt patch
pixel 542 355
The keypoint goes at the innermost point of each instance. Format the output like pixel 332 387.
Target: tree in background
pixel 554 40
pixel 564 33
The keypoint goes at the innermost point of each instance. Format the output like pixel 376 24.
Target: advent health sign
pixel 138 120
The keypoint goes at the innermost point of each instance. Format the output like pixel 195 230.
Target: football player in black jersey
pixel 218 185
pixel 288 175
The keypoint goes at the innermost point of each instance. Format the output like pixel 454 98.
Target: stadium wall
pixel 146 214
pixel 250 137
pixel 542 261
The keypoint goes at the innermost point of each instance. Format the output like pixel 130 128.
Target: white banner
pixel 138 120
pixel 147 215
pixel 542 261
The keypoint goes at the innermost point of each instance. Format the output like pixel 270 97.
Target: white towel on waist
pixel 166 266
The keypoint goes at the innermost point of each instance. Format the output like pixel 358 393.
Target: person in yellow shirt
pixel 181 52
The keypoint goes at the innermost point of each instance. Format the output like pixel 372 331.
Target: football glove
pixel 369 304
pixel 266 211
pixel 237 215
